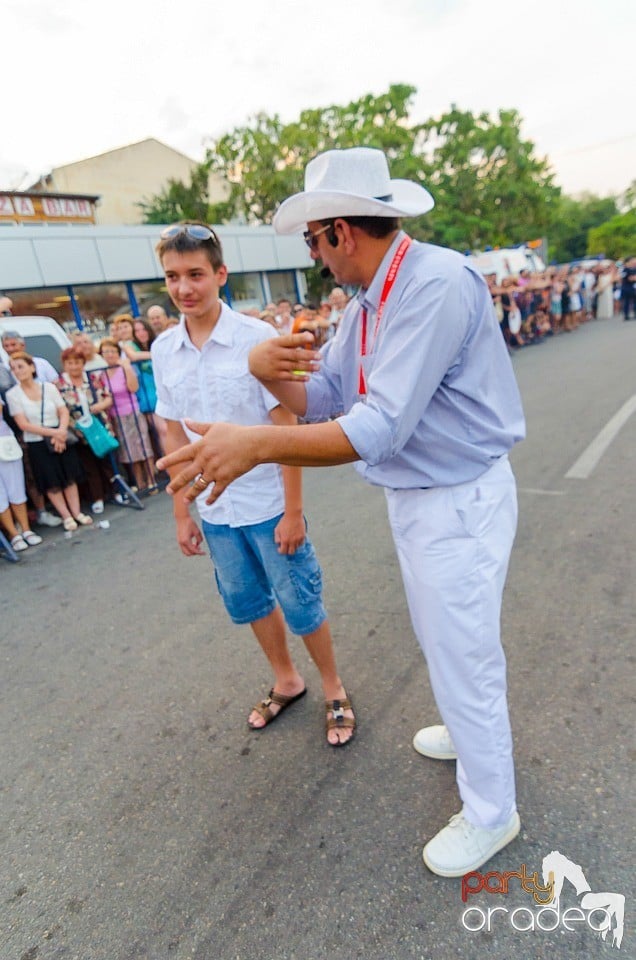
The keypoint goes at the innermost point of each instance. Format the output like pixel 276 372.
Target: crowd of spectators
pixel 529 306
pixel 321 319
pixel 51 461
pixel 47 459
pixel 533 306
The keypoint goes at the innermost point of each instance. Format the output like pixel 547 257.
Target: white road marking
pixel 590 457
pixel 542 493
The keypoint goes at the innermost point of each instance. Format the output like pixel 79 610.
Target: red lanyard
pixel 389 280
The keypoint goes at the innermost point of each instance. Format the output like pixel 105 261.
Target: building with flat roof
pixel 126 176
pixel 83 275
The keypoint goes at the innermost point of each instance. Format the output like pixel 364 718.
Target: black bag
pixel 71 440
pixel 71 436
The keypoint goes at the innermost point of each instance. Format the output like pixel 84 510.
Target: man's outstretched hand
pixel 225 452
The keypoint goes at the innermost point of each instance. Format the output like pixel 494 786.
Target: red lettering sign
pixel 24 206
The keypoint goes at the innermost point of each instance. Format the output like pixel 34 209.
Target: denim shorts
pixel 252 576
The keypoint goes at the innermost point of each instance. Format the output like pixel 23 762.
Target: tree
pixel 627 201
pixel 179 201
pixel 616 238
pixel 488 185
pixel 572 219
pixel 264 162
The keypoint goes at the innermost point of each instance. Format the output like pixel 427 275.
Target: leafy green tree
pixel 627 201
pixel 264 162
pixel 180 201
pixel 572 218
pixel 488 185
pixel 616 238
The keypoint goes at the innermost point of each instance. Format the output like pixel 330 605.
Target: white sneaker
pixel 435 742
pixel 461 846
pixel 97 507
pixel 47 519
pixel 19 543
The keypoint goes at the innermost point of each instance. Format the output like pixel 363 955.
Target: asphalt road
pixel 140 818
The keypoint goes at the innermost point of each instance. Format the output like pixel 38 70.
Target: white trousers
pixel 453 544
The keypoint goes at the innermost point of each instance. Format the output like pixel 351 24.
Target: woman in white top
pixel 39 411
pixel 13 510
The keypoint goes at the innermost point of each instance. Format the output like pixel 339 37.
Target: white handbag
pixel 514 321
pixel 10 449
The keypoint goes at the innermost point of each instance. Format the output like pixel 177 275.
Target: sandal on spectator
pixel 278 698
pixel 31 538
pixel 69 524
pixel 338 721
pixel 84 519
pixel 19 543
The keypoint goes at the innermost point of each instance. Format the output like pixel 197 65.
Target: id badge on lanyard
pixel 366 350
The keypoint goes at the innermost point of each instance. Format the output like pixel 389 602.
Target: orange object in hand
pixel 301 324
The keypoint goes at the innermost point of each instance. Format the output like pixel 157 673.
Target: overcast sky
pixel 80 78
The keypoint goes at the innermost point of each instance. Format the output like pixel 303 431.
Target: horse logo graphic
pixel 556 869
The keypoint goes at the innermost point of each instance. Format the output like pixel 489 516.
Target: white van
pixel 43 337
pixel 507 262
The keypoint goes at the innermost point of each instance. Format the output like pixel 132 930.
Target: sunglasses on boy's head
pixel 197 231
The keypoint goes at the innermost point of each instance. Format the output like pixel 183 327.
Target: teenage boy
pixel 265 566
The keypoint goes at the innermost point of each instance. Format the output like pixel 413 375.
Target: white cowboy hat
pixel 350 183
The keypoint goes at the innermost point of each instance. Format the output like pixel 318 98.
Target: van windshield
pixel 43 345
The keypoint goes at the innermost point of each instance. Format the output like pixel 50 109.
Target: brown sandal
pixel 338 721
pixel 278 698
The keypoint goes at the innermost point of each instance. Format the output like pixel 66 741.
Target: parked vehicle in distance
pixel 507 261
pixel 43 337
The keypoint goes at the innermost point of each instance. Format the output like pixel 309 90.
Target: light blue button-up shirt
pixel 442 402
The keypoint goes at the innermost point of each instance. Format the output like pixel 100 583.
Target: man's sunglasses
pixel 311 239
pixel 197 231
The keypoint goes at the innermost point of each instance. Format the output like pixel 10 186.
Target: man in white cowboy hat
pixel 431 409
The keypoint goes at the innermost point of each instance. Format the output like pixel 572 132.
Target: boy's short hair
pixel 182 241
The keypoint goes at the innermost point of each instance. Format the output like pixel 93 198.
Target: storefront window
pixel 282 286
pixel 246 291
pixel 153 292
pixel 49 302
pixel 99 303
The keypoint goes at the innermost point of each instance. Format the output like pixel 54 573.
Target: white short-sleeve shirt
pixel 214 385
